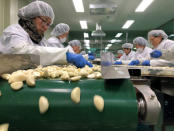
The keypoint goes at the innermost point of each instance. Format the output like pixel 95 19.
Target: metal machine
pixel 125 105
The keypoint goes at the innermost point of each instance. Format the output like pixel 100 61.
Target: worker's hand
pixel 134 62
pixel 91 56
pixel 146 63
pixel 77 59
pixel 156 54
pixel 118 63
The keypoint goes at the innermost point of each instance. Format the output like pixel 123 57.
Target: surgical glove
pixel 134 62
pixel 156 54
pixel 146 63
pixel 118 63
pixel 91 57
pixel 77 59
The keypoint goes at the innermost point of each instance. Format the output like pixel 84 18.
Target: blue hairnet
pixel 36 8
pixel 60 29
pixel 75 43
pixel 156 33
pixel 140 41
pixel 120 51
pixel 127 45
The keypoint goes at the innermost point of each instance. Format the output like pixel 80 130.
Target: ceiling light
pixel 83 24
pixel 115 41
pixel 86 35
pixel 86 41
pixel 109 45
pixel 128 24
pixel 118 35
pixel 106 48
pixel 78 4
pixel 88 48
pixel 143 5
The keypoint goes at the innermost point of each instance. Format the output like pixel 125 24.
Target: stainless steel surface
pixel 110 72
pixel 103 7
pixel 13 62
pixel 148 104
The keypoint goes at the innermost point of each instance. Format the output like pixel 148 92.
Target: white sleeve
pixel 168 54
pixel 48 55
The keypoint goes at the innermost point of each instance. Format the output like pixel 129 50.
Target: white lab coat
pixel 15 40
pixel 54 42
pixel 167 58
pixel 126 58
pixel 145 55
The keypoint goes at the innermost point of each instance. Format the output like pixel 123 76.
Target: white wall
pixel 8 13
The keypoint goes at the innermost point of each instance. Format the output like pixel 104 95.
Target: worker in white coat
pixel 27 37
pixel 127 56
pixel 142 53
pixel 119 53
pixel 59 35
pixel 76 46
pixel 163 53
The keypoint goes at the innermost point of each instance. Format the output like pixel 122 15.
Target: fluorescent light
pixel 86 35
pixel 143 5
pixel 106 48
pixel 88 48
pixel 83 24
pixel 78 4
pixel 128 24
pixel 86 41
pixel 109 45
pixel 115 41
pixel 118 35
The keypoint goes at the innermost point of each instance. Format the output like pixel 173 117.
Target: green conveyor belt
pixel 20 108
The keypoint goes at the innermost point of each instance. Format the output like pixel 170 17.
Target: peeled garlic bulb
pixel 4 127
pixel 17 85
pixel 75 95
pixel 75 78
pixel 5 76
pixel 18 76
pixel 43 104
pixel 30 80
pixel 99 103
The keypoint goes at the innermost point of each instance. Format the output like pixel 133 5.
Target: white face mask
pixel 140 50
pixel 62 40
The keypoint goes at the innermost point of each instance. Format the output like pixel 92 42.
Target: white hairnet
pixel 140 41
pixel 120 51
pixel 156 33
pixel 36 8
pixel 75 43
pixel 127 45
pixel 60 29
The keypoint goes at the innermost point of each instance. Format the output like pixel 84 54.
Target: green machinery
pixel 124 106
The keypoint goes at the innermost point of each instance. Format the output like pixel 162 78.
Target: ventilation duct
pixel 103 7
pixel 98 32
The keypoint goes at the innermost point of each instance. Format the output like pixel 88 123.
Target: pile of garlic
pixel 69 73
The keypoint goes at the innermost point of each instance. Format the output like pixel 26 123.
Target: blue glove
pixel 134 62
pixel 146 63
pixel 118 63
pixel 77 60
pixel 156 54
pixel 91 57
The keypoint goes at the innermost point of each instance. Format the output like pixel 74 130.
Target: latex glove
pixel 156 54
pixel 77 59
pixel 118 63
pixel 91 57
pixel 146 63
pixel 134 62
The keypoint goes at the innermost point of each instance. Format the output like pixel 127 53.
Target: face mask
pixel 62 40
pixel 140 50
